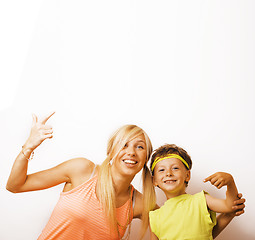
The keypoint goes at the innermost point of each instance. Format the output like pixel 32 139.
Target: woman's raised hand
pixel 39 132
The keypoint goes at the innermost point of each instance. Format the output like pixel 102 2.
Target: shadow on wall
pixel 233 231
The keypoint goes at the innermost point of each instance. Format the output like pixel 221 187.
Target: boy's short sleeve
pixel 153 221
pixel 207 211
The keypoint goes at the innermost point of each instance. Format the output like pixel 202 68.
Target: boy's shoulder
pixel 198 197
pixel 199 194
pixel 180 199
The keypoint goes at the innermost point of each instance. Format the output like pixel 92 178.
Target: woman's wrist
pixel 28 147
pixel 27 152
pixel 230 215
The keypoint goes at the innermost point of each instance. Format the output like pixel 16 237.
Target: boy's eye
pixel 175 168
pixel 161 170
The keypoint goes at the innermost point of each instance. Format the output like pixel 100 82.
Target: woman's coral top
pixel 78 215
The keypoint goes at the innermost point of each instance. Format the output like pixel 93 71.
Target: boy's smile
pixel 170 175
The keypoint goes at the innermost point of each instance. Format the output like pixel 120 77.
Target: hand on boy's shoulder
pixel 220 179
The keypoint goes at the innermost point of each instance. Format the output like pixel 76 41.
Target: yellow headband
pixel 158 159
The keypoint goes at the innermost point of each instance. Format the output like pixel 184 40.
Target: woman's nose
pixel 131 151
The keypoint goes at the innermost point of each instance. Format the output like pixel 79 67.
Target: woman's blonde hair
pixel 105 184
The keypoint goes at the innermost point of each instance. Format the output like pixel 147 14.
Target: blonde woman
pixel 97 202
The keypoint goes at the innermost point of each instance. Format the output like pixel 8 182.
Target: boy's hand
pixel 239 205
pixel 220 179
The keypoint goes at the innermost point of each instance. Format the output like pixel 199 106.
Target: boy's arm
pixel 219 180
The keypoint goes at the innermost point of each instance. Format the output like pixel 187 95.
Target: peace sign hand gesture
pixel 39 132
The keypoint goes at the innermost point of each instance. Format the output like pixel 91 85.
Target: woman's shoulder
pixel 80 167
pixel 79 171
pixel 81 161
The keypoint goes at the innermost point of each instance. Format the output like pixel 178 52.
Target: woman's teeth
pixel 169 181
pixel 130 161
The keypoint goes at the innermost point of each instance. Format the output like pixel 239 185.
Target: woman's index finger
pixel 34 119
pixel 44 120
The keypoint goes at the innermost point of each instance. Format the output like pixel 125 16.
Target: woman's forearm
pixel 39 132
pixel 222 221
pixel 18 173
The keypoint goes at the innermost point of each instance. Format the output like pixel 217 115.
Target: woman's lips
pixel 130 161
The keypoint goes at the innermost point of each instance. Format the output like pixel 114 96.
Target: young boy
pixel 185 216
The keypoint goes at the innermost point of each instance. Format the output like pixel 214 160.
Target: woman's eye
pixel 141 147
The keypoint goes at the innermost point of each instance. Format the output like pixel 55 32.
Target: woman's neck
pixel 121 183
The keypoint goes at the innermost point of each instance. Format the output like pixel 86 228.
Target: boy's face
pixel 170 175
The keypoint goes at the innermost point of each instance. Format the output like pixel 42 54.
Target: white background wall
pixel 182 70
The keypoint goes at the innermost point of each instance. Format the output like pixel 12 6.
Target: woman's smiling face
pixel 132 157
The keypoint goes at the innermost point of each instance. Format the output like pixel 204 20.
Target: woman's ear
pixel 110 162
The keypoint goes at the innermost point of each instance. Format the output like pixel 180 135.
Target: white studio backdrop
pixel 182 70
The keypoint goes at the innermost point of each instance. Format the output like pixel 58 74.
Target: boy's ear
pixel 154 182
pixel 188 176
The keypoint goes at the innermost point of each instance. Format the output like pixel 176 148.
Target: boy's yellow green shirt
pixel 183 217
